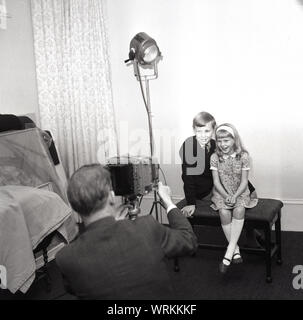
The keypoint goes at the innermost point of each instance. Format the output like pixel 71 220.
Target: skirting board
pixel 291 220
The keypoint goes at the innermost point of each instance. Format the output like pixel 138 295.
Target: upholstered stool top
pixel 265 210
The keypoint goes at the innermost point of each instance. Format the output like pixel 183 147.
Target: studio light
pixel 144 55
pixel 143 49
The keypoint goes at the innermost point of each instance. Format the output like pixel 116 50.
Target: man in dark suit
pixel 120 258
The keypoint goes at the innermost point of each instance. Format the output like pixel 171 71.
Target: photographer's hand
pixel 122 215
pixel 188 211
pixel 165 194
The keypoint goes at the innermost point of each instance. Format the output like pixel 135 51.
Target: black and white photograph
pixel 151 153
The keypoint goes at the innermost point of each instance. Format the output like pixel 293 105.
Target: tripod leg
pixel 152 208
pixel 156 204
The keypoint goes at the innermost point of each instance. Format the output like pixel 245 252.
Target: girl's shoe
pixel 237 258
pixel 224 267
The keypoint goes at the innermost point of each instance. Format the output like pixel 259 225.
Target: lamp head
pixel 144 49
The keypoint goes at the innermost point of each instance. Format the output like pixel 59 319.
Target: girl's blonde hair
pixel 223 133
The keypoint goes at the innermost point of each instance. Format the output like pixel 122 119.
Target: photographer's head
pixel 89 191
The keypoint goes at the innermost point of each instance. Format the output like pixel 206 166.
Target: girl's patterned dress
pixel 230 170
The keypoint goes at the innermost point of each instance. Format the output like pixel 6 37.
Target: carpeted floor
pixel 199 278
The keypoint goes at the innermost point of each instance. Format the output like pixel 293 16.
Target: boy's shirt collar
pixel 208 145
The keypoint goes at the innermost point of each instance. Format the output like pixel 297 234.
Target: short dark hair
pixel 202 118
pixel 88 188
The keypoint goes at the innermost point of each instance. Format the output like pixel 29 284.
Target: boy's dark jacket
pixel 196 186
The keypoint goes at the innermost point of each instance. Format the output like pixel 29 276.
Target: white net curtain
pixel 73 77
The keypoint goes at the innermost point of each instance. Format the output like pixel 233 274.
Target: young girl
pixel 230 167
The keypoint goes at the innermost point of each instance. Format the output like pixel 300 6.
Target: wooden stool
pixel 266 214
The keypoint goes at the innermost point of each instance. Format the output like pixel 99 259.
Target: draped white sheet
pixel 73 78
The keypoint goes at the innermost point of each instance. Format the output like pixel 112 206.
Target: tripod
pixel 155 204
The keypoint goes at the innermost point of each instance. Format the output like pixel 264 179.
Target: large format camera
pixel 133 176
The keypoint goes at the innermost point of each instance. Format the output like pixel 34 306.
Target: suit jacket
pixel 198 184
pixel 125 259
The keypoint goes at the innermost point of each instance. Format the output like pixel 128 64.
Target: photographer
pixel 115 258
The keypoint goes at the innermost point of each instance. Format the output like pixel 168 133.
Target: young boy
pixel 195 153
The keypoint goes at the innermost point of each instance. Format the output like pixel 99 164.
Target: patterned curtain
pixel 73 78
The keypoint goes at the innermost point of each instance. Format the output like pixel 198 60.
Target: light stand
pixel 146 98
pixel 144 54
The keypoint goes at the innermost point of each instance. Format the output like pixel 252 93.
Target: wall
pixel 18 90
pixel 241 61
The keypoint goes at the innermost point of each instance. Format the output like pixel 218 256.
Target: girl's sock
pixel 236 229
pixel 227 232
